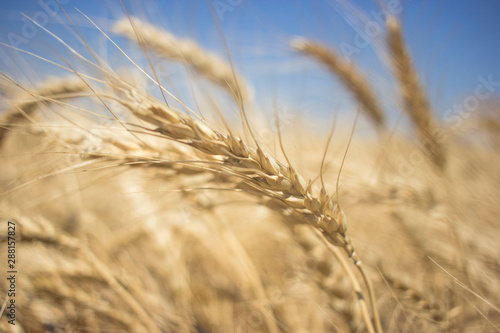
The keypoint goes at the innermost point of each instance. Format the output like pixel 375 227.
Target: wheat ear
pixel 415 297
pixel 152 159
pixel 167 45
pixel 22 107
pixel 260 173
pixel 415 100
pixel 349 75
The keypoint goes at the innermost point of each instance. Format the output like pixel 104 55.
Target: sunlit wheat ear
pixel 213 163
pixel 415 100
pixel 262 172
pixel 167 45
pixel 22 107
pixel 349 75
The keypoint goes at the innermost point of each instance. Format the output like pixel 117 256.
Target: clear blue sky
pixel 454 42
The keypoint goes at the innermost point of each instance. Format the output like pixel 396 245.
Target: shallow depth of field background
pixel 111 244
pixel 453 43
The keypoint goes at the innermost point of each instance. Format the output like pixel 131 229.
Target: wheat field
pixel 155 186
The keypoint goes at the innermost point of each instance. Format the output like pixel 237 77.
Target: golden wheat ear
pixel 262 175
pixel 414 97
pixel 349 75
pixel 24 105
pixel 165 44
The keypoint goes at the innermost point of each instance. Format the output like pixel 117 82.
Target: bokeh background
pixel 453 43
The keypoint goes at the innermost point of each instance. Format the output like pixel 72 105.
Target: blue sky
pixel 453 43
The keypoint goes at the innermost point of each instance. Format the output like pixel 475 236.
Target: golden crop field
pixel 219 167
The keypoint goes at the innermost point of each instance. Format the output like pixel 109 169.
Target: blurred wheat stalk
pixel 181 225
